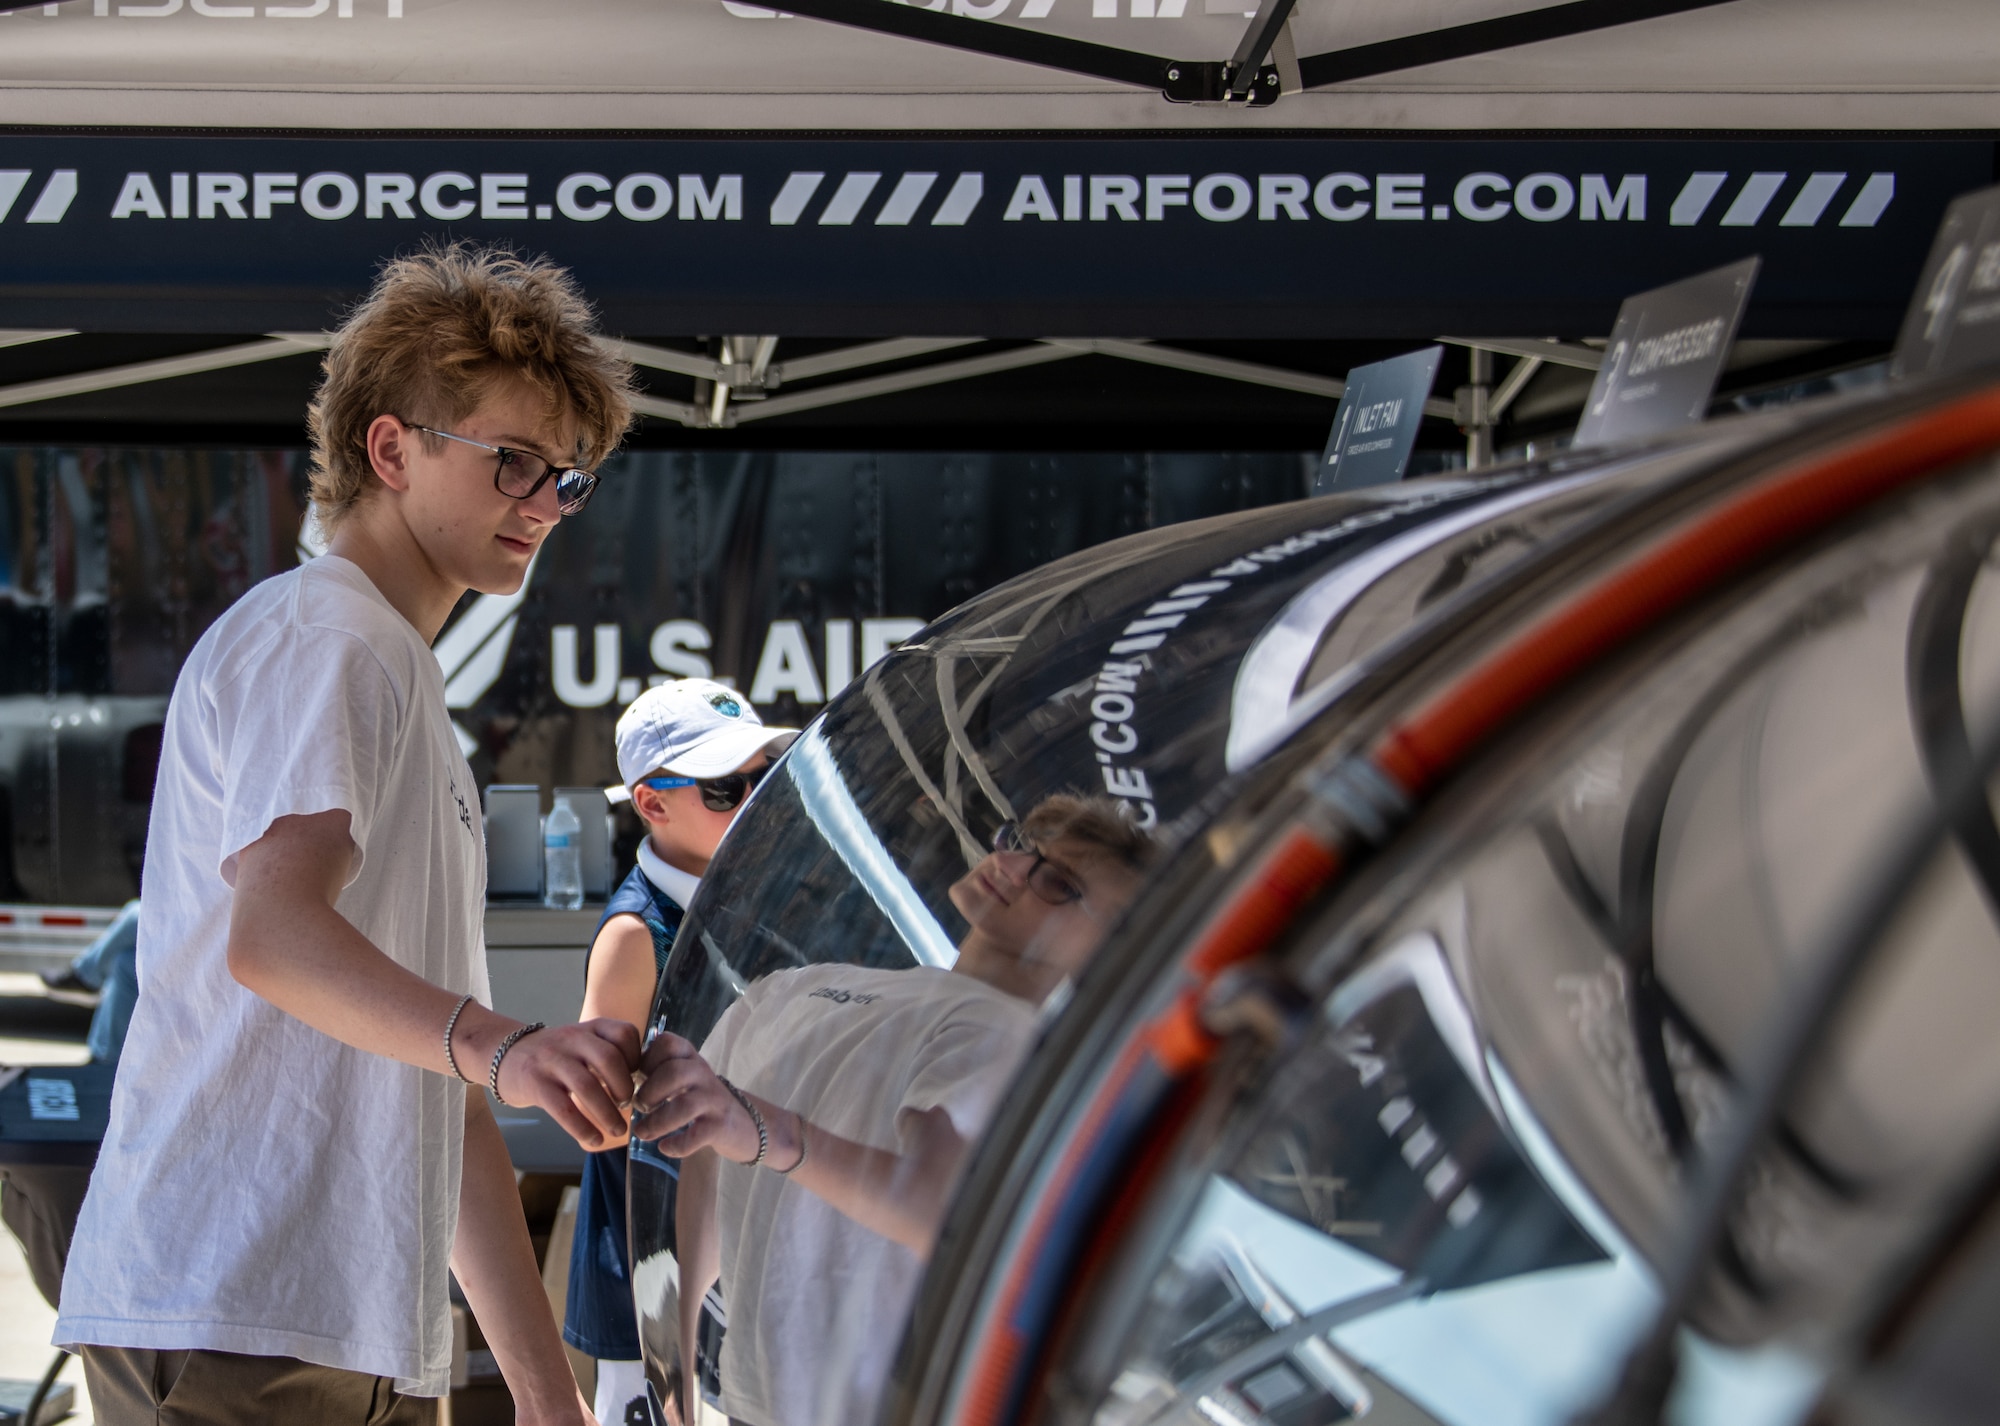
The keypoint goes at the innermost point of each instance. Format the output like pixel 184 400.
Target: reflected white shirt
pixel 816 1302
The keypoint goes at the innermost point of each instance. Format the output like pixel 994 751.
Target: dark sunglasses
pixel 718 794
pixel 519 474
pixel 1047 880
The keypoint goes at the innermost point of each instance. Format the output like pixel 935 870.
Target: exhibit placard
pixel 1954 317
pixel 1375 428
pixel 1665 353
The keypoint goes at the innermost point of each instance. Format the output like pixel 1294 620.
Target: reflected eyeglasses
pixel 718 794
pixel 1047 880
pixel 520 474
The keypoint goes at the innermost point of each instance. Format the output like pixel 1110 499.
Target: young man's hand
pixel 685 1106
pixel 289 944
pixel 901 1194
pixel 580 1074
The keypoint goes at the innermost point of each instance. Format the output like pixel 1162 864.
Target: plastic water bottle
pixel 562 858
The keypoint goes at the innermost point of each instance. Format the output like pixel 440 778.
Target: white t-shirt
pixel 816 1302
pixel 263 1188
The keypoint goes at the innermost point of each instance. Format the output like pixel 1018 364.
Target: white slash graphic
pixel 1753 200
pixel 959 203
pixel 845 205
pixel 1814 196
pixel 793 197
pixel 1695 198
pixel 1808 207
pixel 905 199
pixel 1871 202
pixel 12 181
pixel 57 194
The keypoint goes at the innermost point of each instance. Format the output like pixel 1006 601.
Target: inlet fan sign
pixel 1376 426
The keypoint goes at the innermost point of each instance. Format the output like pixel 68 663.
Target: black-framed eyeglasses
pixel 1047 880
pixel 519 474
pixel 718 794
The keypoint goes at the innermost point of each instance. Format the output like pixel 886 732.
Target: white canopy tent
pixel 717 65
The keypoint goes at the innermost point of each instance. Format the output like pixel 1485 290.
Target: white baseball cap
pixel 692 727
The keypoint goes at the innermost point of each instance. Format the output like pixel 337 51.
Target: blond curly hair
pixel 1099 822
pixel 430 339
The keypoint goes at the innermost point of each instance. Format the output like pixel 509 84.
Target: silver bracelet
pixel 763 1134
pixel 493 1074
pixel 787 1173
pixel 449 1026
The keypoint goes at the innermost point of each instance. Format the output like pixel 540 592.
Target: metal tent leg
pixel 1475 414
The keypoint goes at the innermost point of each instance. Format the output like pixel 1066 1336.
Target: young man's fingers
pixel 673 1116
pixel 551 1094
pixel 661 1099
pixel 572 1123
pixel 691 1138
pixel 621 1035
pixel 596 1042
pixel 663 1083
pixel 573 1119
pixel 604 1062
pixel 668 1081
pixel 569 1090
pixel 589 1095
pixel 703 1118
pixel 666 1048
pixel 668 1129
pixel 572 1057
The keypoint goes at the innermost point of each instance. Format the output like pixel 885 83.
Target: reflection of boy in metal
pixel 862 1089
pixel 688 754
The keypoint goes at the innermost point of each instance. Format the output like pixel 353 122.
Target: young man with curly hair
pixel 300 1141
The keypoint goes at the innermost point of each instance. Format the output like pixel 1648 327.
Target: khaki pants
pixel 132 1386
pixel 39 1204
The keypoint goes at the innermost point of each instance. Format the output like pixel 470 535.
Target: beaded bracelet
pixel 763 1134
pixel 449 1026
pixel 493 1073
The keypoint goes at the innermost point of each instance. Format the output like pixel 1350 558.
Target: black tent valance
pixel 1170 235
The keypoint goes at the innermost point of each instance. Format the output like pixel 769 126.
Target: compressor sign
pixel 997 236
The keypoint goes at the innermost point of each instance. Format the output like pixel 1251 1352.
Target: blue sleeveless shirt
pixel 598 1317
pixel 636 896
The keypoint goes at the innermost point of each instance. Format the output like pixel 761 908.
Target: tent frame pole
pixel 1244 78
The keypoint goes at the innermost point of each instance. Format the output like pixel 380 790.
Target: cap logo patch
pixel 725 705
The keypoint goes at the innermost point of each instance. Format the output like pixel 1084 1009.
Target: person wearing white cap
pixel 688 754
